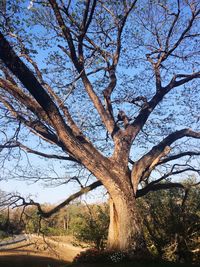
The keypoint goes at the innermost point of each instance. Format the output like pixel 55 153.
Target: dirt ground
pixel 38 252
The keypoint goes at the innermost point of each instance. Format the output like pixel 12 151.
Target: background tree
pixel 92 225
pixel 171 221
pixel 10 220
pixel 110 86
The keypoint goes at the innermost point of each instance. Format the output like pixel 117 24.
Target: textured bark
pixel 125 230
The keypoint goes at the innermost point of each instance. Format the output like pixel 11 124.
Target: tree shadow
pixel 16 248
pixel 30 261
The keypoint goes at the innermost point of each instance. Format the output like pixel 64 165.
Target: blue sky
pixel 36 190
pixel 52 195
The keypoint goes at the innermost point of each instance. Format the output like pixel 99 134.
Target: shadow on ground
pixel 30 261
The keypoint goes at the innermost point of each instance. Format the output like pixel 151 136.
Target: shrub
pixel 104 256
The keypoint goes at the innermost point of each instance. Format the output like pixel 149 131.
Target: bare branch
pixel 182 36
pixel 186 78
pixel 148 107
pixel 174 172
pixel 174 157
pixel 164 186
pixel 47 214
pixel 67 34
pixel 176 17
pixel 120 31
pixel 143 167
pixel 32 151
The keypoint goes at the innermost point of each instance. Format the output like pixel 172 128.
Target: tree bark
pixel 125 229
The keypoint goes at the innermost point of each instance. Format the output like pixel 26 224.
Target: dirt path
pixel 37 252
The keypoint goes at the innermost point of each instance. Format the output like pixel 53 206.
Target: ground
pixel 37 251
pixel 55 252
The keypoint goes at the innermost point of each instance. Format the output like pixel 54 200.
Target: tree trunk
pixel 125 230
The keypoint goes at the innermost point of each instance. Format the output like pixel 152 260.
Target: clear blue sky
pixel 49 195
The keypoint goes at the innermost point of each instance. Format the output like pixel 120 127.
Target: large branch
pixel 120 30
pixel 47 214
pixel 176 81
pixel 21 71
pixel 157 150
pixel 35 126
pixel 164 186
pixel 67 34
pixel 112 69
pixel 143 167
pixel 182 36
pixel 185 78
pixel 174 22
pixel 54 96
pixel 78 61
pixel 77 146
pixel 148 107
pixel 24 99
pixel 109 89
pixel 156 187
pixel 166 50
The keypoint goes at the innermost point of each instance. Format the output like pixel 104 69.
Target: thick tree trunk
pixel 125 230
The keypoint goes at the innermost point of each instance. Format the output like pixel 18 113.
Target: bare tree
pixel 118 94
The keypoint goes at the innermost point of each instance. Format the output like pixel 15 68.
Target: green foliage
pixel 35 224
pixel 171 220
pixel 92 225
pixel 32 221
